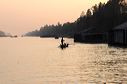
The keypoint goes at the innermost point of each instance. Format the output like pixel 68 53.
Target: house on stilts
pixel 91 35
pixel 118 36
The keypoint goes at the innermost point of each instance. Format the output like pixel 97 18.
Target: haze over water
pixel 40 61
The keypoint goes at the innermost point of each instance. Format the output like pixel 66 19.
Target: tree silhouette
pixel 103 16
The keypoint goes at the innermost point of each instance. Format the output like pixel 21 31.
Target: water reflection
pixel 40 61
pixel 105 65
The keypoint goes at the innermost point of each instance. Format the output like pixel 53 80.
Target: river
pixel 40 61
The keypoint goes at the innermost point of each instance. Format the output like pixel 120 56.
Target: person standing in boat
pixel 62 41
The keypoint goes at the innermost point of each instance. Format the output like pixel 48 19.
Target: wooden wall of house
pixel 125 37
pixel 117 37
pixel 78 38
pixel 90 38
pixel 95 38
pixel 110 37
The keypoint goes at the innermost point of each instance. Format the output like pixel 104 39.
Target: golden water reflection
pixel 40 61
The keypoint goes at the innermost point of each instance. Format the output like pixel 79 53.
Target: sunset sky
pixel 21 16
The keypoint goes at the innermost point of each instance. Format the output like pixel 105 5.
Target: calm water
pixel 40 61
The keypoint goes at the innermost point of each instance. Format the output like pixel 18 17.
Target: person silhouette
pixel 62 41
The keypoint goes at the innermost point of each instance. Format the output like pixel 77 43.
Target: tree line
pixel 102 16
pixel 59 30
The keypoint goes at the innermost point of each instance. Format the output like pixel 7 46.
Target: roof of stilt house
pixel 94 31
pixel 122 26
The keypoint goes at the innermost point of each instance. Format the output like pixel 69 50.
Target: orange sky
pixel 20 16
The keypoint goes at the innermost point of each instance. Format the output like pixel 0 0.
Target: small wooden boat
pixel 65 45
pixel 15 36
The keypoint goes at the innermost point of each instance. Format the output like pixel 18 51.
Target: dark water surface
pixel 40 61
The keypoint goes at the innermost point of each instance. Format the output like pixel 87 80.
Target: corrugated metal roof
pixel 122 26
pixel 86 30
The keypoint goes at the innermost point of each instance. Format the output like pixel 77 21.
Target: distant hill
pixel 3 34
